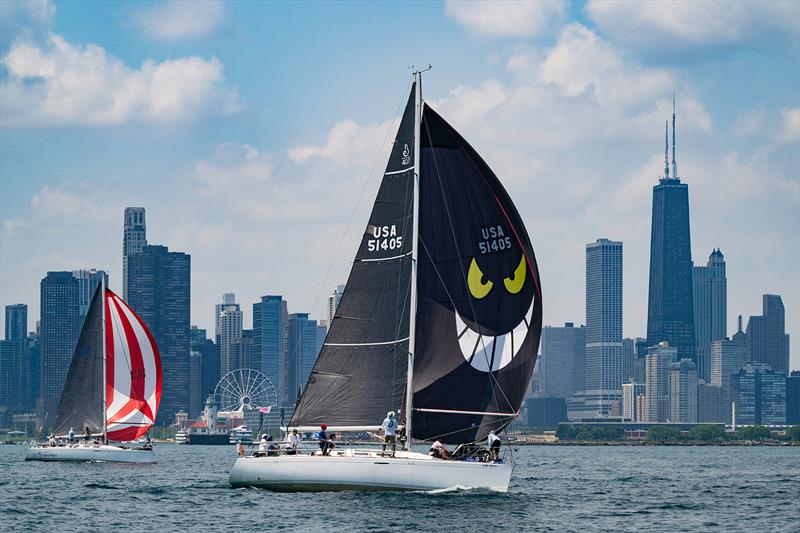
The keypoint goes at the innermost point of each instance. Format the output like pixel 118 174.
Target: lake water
pixel 555 488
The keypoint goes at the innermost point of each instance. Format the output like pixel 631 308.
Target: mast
pixel 103 341
pixel 412 324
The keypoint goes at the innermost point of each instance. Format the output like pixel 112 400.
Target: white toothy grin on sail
pixel 491 353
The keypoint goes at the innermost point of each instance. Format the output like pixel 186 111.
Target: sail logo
pixel 384 238
pixel 494 239
pixel 406 155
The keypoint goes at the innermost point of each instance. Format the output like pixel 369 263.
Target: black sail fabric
pixel 360 373
pixel 82 402
pixel 479 311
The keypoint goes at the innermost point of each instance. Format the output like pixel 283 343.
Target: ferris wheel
pixel 245 389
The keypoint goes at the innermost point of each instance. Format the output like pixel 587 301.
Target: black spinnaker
pixel 479 311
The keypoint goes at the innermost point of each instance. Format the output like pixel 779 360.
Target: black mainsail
pixel 360 373
pixel 82 402
pixel 475 297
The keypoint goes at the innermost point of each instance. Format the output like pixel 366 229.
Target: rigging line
pixel 492 378
pixel 341 241
pixel 436 437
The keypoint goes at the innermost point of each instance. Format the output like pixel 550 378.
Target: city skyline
pixel 221 182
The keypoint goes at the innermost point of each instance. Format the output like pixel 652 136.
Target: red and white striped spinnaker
pixel 133 372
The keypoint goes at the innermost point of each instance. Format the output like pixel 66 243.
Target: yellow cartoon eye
pixel 477 288
pixel 514 284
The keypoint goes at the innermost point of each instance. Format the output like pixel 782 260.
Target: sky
pixel 255 134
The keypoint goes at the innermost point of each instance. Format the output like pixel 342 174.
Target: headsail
pixel 133 372
pixel 360 373
pixel 81 403
pixel 479 306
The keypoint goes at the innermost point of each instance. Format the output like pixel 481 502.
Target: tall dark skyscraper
pixel 766 335
pixel 159 291
pixel 710 297
pixel 209 364
pixel 134 238
pixel 14 361
pixel 270 337
pixel 302 349
pixel 670 309
pixel 563 361
pixel 59 329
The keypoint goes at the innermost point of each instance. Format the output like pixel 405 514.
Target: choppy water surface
pixel 554 488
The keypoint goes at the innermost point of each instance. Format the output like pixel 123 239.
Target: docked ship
pixel 241 434
pixel 205 430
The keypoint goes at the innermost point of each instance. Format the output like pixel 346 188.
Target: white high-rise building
pixel 228 300
pixel 333 302
pixel 657 381
pixel 683 392
pixel 229 332
pixel 604 361
pixel 710 309
pixel 134 238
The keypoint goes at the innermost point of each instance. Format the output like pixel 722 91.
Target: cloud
pixel 24 16
pixel 695 29
pixel 789 131
pixel 178 20
pixel 59 83
pixel 501 18
pixel 750 122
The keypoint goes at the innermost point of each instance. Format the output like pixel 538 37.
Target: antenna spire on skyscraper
pixel 674 163
pixel 666 149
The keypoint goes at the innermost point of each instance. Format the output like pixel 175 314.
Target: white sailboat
pixel 440 317
pixel 112 390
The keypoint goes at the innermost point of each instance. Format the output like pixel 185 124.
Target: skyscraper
pixel 670 309
pixel 793 398
pixel 209 364
pixel 228 300
pixel 333 302
pixel 766 335
pixel 561 365
pixel 134 238
pixel 710 295
pixel 270 329
pixel 726 360
pixel 683 392
pixel 59 327
pixel 14 360
pixel 710 403
pixel 760 395
pixel 633 399
pixel 603 373
pixel 159 291
pixel 302 350
pixel 657 381
pixel 88 280
pixel 229 331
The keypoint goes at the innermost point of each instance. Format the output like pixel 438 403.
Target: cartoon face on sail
pixel 494 319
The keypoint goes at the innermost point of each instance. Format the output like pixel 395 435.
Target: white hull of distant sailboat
pixel 91 452
pixel 363 470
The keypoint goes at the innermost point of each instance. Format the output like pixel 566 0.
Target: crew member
pixel 263 446
pixel 493 442
pixel 324 443
pixel 389 428
pixel 438 450
pixel 294 442
pixel 71 435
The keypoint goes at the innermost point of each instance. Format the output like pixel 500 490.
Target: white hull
pixel 354 469
pixel 91 452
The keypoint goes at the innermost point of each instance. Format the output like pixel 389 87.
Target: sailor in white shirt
pixel 263 446
pixel 294 441
pixel 493 442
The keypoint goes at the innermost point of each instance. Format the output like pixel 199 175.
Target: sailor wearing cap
pixel 389 428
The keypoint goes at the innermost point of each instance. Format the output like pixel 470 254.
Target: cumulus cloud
pixel 695 28
pixel 505 18
pixel 177 20
pixel 789 131
pixel 59 83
